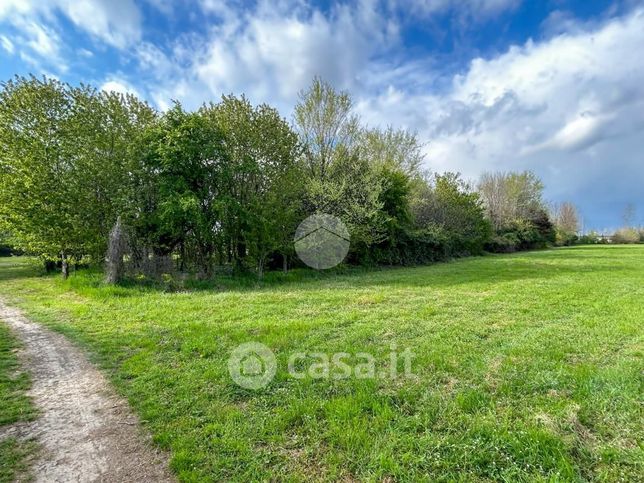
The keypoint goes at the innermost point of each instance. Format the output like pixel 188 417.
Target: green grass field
pixel 527 367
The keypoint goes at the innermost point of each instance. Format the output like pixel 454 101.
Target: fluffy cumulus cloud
pixel 570 108
pixel 120 86
pixel 577 114
pixel 272 51
pixel 567 94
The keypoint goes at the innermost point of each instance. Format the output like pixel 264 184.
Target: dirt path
pixel 86 432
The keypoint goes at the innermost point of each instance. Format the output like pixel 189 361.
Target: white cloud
pixel 120 86
pixel 222 8
pixel 116 22
pixel 565 90
pixel 13 7
pixel 570 108
pixel 36 29
pixel 579 134
pixel 164 6
pixel 42 40
pixel 272 52
pixel 7 44
pixel 151 58
pixel 38 44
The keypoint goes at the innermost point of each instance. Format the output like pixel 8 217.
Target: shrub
pixel 524 234
pixel 626 236
pixel 565 238
pixel 504 243
pixel 589 239
pixel 448 204
pixel 409 247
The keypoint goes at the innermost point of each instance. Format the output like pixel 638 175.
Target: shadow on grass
pixel 19 267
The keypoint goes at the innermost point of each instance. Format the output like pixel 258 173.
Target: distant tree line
pixel 224 187
pixel 630 232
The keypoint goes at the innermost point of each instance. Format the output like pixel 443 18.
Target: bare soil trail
pixel 85 431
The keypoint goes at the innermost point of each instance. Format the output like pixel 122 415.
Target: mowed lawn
pixel 527 367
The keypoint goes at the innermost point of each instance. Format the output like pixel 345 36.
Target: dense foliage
pixel 67 162
pixel 515 206
pixel 224 187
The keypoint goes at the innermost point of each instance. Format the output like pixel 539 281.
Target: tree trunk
pixel 260 268
pixel 115 251
pixel 64 267
pixel 285 263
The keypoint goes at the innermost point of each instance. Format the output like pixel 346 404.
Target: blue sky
pixel 555 86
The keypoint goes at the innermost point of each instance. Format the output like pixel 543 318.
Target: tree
pixel 186 165
pixel 447 202
pixel 514 204
pixel 326 126
pixel 340 180
pixel 264 184
pixel 65 165
pixel 392 149
pixel 108 128
pixel 566 220
pixel 229 183
pixel 37 171
pixel 508 197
